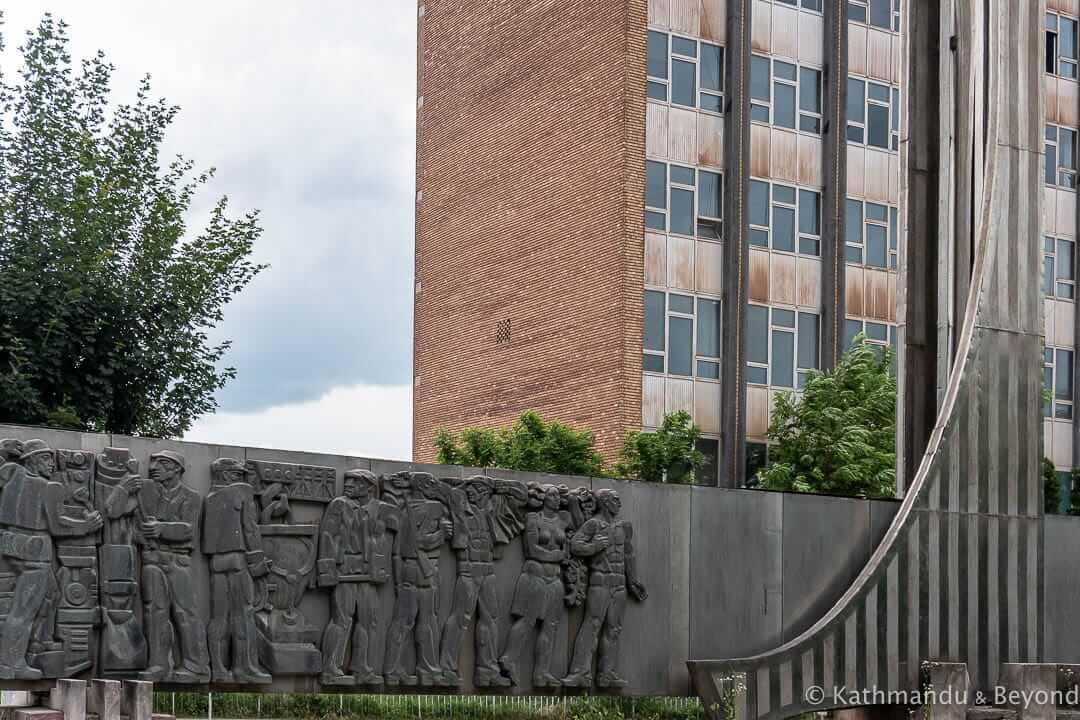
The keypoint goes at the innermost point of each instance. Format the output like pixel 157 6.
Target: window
pixel 670 342
pixel 683 200
pixel 1059 268
pixel 691 71
pixel 879 335
pixel 785 218
pixel 873 113
pixel 1060 45
pixel 871 231
pixel 757 457
pixel 785 94
pixel 1060 156
pixel 814 5
pixel 1058 379
pixel 710 449
pixel 884 14
pixel 782 346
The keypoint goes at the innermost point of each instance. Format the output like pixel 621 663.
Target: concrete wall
pixel 729 572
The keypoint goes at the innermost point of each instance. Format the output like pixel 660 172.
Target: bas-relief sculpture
pixel 96 573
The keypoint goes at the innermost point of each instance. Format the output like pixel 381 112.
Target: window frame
pixel 799 372
pixel 695 318
pixel 1052 26
pixel 698 219
pixel 892 112
pixel 1065 176
pixel 1061 287
pixel 1058 408
pixel 796 208
pixel 671 56
pixel 797 86
pixel 891 224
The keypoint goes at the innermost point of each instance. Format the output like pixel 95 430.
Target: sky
pixel 307 112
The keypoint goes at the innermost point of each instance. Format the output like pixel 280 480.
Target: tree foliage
pixel 1051 488
pixel 105 299
pixel 838 436
pixel 535 445
pixel 668 455
pixel 530 444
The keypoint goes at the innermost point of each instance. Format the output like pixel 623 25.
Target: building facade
pixel 627 208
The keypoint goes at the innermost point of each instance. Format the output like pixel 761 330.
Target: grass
pixel 424 707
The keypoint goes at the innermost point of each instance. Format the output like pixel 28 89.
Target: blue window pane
pixel 784 105
pixel 783 318
pixel 657 55
pixel 855 134
pixel 708 194
pixel 877 126
pixel 1065 269
pixel 654 321
pixel 876 212
pixel 712 103
pixel 652 363
pixel 877 246
pixel 683 83
pixel 759 78
pixel 783 70
pixel 712 67
pixel 810 90
pixel 757 375
pixel 757 334
pixel 759 203
pixel 784 194
pixel 1048 276
pixel 708 370
pixel 708 329
pixel 851 329
pixel 682 175
pixel 809 212
pixel 1067 38
pixel 682 46
pixel 681 304
pixel 853 222
pixel 877 331
pixel 881 14
pixel 759 113
pixel 783 229
pixel 680 346
pixel 856 103
pixel 759 238
pixel 856 12
pixel 1051 165
pixel 1063 371
pixel 782 363
pixel 853 254
pixel 655 184
pixel 809 335
pixel 682 211
pixel 656 91
pixel 655 220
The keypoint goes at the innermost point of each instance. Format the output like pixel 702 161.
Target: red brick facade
pixel 530 179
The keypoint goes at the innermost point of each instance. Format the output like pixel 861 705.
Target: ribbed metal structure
pixel 958 575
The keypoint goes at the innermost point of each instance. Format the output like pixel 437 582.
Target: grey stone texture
pixel 323 590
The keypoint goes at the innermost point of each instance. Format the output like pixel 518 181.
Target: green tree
pixel 670 454
pixel 1074 491
pixel 1051 488
pixel 838 436
pixel 530 444
pixel 106 300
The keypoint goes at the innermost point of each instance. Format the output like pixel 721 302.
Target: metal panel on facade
pixel 761 27
pixel 808 283
pixel 707 406
pixel 714 20
pixel 810 161
pixel 680 261
pixel 656 130
pixel 710 140
pixel 686 16
pixel 652 400
pixel 783 149
pixel 708 269
pixel 655 259
pixel 759 150
pixel 759 275
pixel 782 279
pixel 682 135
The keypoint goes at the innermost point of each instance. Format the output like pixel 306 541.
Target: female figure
pixel 539 593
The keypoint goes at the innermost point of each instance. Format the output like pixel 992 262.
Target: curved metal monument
pixel 959 574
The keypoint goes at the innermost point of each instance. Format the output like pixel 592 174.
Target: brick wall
pixel 530 147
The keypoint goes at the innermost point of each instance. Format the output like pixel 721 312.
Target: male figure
pixel 30 516
pixel 230 536
pixel 475 590
pixel 608 542
pixel 423 525
pixel 167 534
pixel 354 560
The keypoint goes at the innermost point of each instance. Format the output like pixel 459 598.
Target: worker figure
pixel 354 560
pixel 475 592
pixel 607 542
pixel 30 517
pixel 423 526
pixel 230 536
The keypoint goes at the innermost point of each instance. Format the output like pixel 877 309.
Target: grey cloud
pixel 307 116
